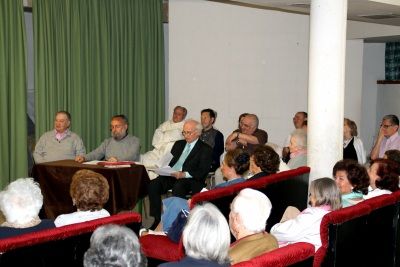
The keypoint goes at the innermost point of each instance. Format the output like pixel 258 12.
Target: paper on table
pixel 93 162
pixel 118 166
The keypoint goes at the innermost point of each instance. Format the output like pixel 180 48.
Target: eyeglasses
pixel 187 133
pixel 386 126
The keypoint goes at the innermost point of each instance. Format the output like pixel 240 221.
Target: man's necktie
pixel 185 153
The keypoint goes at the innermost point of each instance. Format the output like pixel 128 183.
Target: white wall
pixel 373 70
pixel 237 59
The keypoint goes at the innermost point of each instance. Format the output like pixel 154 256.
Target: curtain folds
pixel 13 123
pixel 392 61
pixel 98 58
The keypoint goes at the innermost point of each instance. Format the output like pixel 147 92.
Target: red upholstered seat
pixel 63 246
pixel 292 184
pixel 255 184
pixel 334 228
pixel 161 247
pixel 298 253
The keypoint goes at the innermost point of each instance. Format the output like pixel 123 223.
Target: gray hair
pixel 253 208
pixel 198 126
pixel 326 192
pixel 21 201
pixel 300 136
pixel 392 118
pixel 114 245
pixel 206 234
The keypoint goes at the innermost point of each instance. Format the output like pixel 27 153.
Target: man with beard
pixel 120 147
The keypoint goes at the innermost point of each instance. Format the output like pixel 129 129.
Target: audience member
pixel 121 146
pixel 191 160
pixel 250 210
pixel 384 177
pixel 352 180
pixel 388 137
pixel 234 165
pixel 114 245
pixel 353 147
pixel 20 204
pixel 212 136
pixel 282 165
pixel 248 135
pixel 60 143
pixel 89 191
pixel 205 238
pixel 299 120
pixel 298 149
pixel 264 161
pixel 305 227
pixel 392 154
pixel 164 138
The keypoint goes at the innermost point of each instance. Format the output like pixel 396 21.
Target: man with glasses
pixel 388 137
pixel 121 146
pixel 247 136
pixel 191 161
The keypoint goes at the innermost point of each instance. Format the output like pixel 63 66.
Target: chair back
pixel 63 246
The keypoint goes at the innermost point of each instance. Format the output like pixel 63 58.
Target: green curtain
pixel 98 58
pixel 392 61
pixel 13 124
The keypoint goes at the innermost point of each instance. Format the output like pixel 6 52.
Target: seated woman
pixel 20 203
pixel 353 147
pixel 250 210
pixel 298 149
pixel 206 238
pixel 352 180
pixel 89 193
pixel 114 245
pixel 235 163
pixel 384 178
pixel 305 227
pixel 264 161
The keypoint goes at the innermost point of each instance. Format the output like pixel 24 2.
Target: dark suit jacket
pixel 198 162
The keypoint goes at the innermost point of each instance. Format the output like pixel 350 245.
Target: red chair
pixel 297 254
pixel 63 246
pixel 289 188
pixel 342 231
pixel 161 248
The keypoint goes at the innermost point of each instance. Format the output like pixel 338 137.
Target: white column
pixel 326 85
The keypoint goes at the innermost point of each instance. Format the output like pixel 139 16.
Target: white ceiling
pixel 356 8
pixel 372 11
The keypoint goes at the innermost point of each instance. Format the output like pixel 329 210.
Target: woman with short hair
pixel 114 245
pixel 305 227
pixel 353 147
pixel 298 149
pixel 206 238
pixel 264 161
pixel 20 203
pixel 352 180
pixel 384 178
pixel 89 191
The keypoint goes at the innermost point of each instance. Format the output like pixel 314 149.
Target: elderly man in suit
pixel 192 160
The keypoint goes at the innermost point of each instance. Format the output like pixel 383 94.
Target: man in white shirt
pixel 164 138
